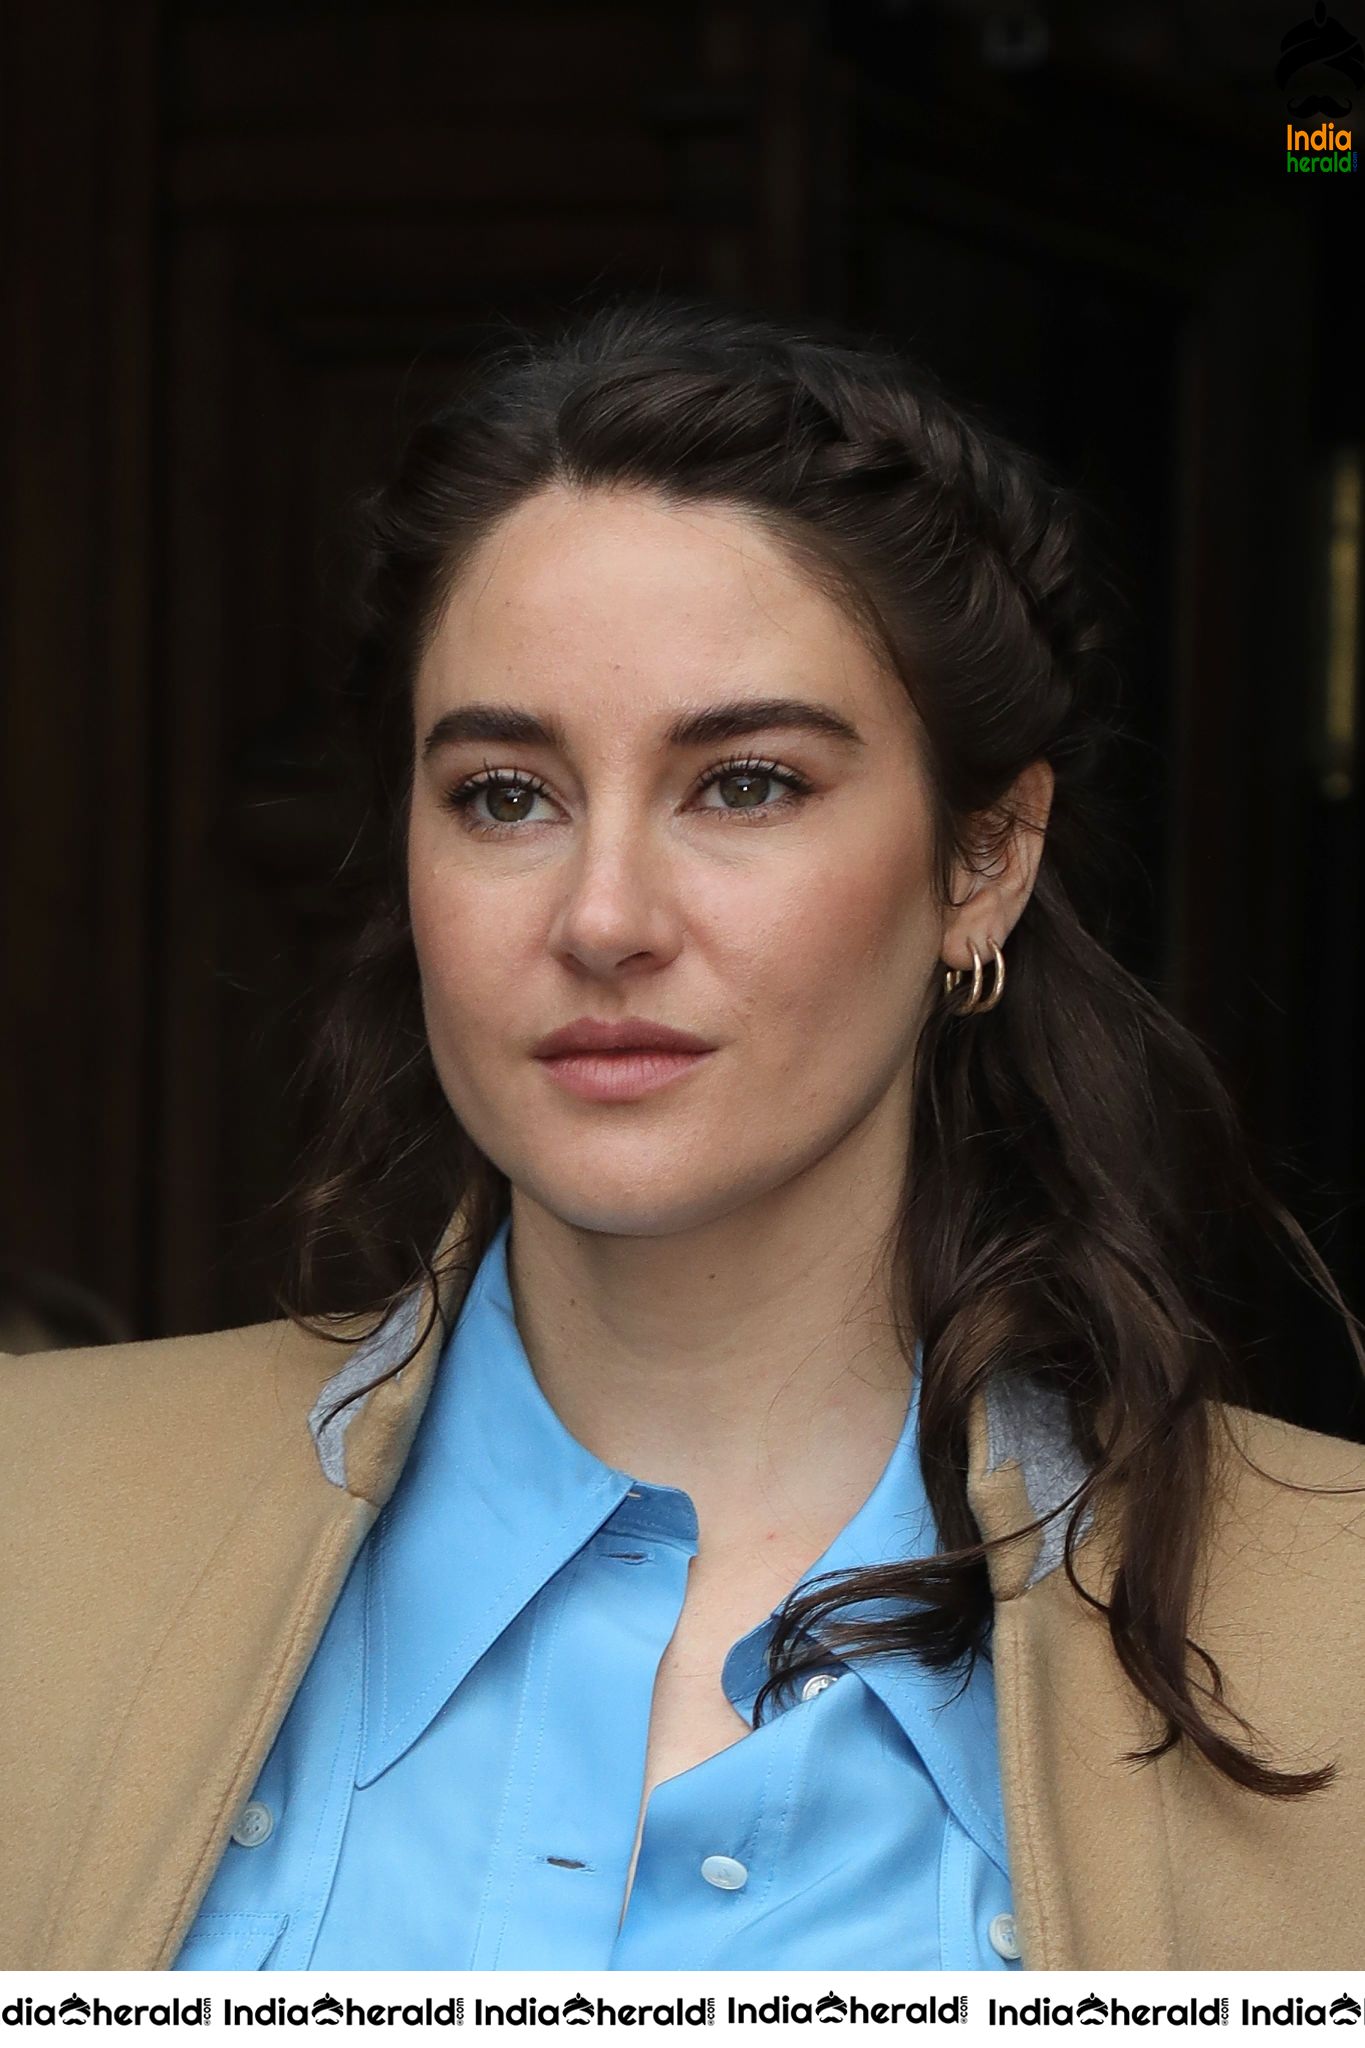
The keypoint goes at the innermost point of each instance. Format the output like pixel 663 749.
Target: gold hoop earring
pixel 976 1003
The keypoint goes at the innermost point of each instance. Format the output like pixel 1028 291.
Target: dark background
pixel 244 242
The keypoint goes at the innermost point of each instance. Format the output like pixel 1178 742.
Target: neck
pixel 751 1359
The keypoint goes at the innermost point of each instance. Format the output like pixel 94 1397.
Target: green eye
pixel 752 776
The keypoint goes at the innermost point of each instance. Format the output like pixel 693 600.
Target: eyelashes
pixel 462 798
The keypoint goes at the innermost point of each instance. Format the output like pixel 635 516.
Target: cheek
pixel 852 949
pixel 461 939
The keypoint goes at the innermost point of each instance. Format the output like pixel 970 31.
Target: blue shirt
pixel 456 1784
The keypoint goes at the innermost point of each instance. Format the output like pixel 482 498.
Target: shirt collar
pixel 496 1495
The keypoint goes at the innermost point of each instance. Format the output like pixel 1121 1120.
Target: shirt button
pixel 725 1872
pixel 1004 1937
pixel 818 1683
pixel 254 1823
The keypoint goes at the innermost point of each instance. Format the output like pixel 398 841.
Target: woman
pixel 799 1515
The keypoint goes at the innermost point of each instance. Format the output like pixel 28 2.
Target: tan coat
pixel 178 1519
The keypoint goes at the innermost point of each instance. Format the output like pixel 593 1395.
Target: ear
pixel 990 890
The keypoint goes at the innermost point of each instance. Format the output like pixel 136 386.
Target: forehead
pixel 598 594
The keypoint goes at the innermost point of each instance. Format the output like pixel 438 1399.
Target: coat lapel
pixel 1088 1854
pixel 1170 1864
pixel 191 1729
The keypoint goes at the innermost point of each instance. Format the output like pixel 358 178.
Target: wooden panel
pixel 360 69
pixel 78 710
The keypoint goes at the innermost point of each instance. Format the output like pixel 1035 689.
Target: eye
pixel 507 787
pixel 747 778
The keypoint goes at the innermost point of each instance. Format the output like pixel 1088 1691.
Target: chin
pixel 638 1203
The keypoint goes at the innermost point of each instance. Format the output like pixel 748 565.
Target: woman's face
pixel 782 913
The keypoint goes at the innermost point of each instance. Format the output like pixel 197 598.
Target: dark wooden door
pixel 244 242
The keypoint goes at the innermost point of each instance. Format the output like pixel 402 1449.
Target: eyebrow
pixel 706 727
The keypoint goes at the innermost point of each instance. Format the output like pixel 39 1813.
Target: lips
pixel 625 1034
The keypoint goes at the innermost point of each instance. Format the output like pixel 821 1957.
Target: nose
pixel 619 901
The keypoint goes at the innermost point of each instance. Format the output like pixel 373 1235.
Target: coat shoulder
pixel 1270 1457
pixel 1287 1522
pixel 217 1400
pixel 126 1470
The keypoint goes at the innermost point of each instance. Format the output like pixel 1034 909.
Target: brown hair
pixel 1074 1149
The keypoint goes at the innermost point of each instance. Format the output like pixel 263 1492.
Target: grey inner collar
pixel 345 1394
pixel 1032 1424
